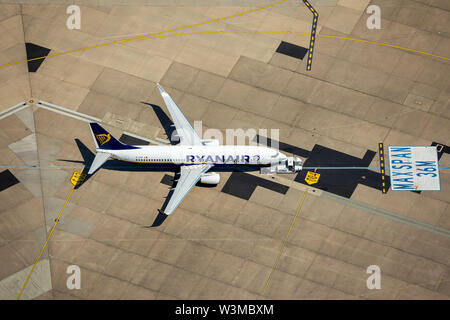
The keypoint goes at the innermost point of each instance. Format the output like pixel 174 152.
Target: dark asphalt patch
pixel 7 179
pixel 292 50
pixel 441 149
pixel 35 51
pixel 133 141
pixel 342 182
pixel 167 180
pixel 242 185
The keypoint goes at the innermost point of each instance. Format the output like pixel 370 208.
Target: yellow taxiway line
pixel 46 241
pixel 283 245
pixel 161 34
pixel 147 36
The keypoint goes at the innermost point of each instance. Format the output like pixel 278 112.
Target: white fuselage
pixel 241 155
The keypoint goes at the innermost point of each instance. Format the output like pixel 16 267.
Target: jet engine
pixel 210 178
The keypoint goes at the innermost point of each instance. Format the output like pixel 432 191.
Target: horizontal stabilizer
pixel 99 160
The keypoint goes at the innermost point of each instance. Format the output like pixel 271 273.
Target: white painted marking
pixel 4 115
pixel 14 106
pixel 63 113
pixel 69 111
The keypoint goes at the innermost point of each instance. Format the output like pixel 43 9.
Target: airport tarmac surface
pixel 251 236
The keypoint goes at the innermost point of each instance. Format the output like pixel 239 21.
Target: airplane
pixel 192 156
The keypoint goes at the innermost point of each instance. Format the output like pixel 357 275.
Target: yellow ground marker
pixel 312 177
pixel 313 33
pixel 381 152
pixel 78 178
pixel 50 234
pixel 283 245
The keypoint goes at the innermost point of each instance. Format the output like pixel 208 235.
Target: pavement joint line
pixel 283 245
pixel 296 33
pixel 157 35
pixel 388 214
pixel 147 36
pixel 46 241
pixel 359 205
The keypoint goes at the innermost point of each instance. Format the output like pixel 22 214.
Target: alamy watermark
pixel 374 280
pixel 74 20
pixel 74 280
pixel 374 21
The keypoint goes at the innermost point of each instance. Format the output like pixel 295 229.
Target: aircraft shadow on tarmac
pixel 112 164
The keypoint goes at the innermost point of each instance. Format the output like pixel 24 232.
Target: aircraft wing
pixel 189 175
pixel 184 129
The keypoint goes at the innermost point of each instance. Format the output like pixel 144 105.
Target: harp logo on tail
pixel 103 138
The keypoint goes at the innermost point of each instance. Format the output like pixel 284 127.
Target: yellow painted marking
pixel 150 34
pixel 283 245
pixel 46 241
pixel 78 178
pixel 383 184
pixel 382 177
pixel 312 177
pixel 382 164
pixel 381 158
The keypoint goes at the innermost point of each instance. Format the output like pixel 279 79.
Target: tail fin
pixel 105 141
